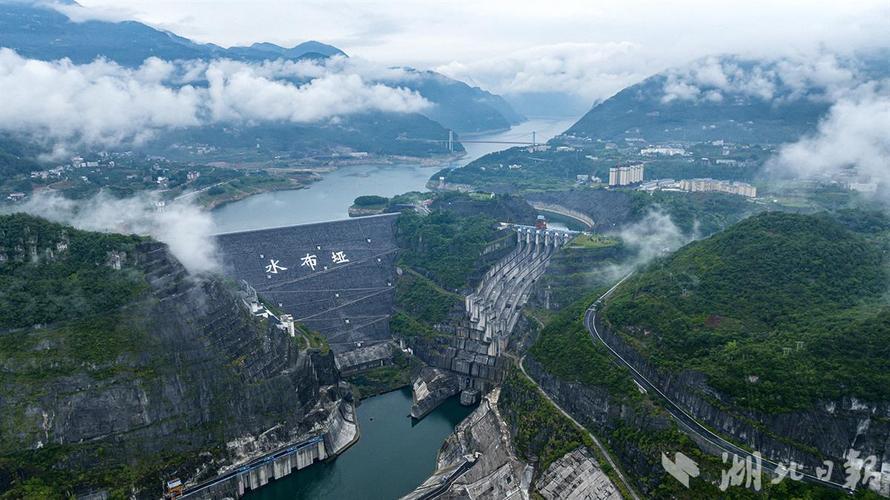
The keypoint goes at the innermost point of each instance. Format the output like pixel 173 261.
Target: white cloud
pixel 79 14
pixel 587 49
pixel 104 104
pixel 590 70
pixel 653 236
pixel 185 227
pixel 821 77
pixel 850 142
pixel 242 94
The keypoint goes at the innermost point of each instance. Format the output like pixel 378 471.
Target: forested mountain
pixel 728 98
pixel 39 32
pixel 460 106
pixel 730 305
pixel 118 369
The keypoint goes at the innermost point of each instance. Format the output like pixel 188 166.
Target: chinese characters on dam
pixel 310 260
pixel 335 278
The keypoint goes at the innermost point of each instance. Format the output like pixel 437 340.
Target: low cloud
pixel 823 77
pixel 183 226
pixel 653 236
pixel 850 144
pixel 592 71
pixel 102 104
pixel 80 14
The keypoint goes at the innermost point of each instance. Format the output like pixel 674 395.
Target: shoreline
pixel 317 172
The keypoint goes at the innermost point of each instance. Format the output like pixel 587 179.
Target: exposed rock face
pixel 576 476
pixel 494 473
pixel 831 429
pixel 431 388
pixel 198 376
pixel 595 409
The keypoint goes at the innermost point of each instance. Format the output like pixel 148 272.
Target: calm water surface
pixel 330 198
pixel 393 456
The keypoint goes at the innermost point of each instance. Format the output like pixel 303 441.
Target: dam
pixel 470 360
pixel 336 278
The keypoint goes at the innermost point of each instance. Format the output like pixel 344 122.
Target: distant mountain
pixel 409 134
pixel 305 49
pixel 459 106
pixel 717 98
pixel 39 32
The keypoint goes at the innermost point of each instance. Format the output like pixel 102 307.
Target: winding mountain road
pixel 677 412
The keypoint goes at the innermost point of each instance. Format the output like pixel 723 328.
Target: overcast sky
pixel 587 50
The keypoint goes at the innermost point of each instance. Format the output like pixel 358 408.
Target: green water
pixel 393 456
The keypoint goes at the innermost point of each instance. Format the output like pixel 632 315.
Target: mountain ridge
pixel 37 31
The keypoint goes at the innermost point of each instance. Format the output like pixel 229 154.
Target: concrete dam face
pixel 337 278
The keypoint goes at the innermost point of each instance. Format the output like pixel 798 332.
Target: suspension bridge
pixel 450 141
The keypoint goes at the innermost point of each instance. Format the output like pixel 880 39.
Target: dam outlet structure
pixel 472 362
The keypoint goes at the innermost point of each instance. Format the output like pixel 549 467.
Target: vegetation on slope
pixel 53 273
pixel 541 434
pixel 703 213
pixel 777 298
pixel 641 431
pixel 422 298
pixel 85 397
pixel 443 246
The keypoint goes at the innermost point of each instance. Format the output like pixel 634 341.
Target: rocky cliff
pixel 478 460
pixel 181 381
pixel 774 333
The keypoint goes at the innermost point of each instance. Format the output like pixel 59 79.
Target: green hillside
pixel 51 273
pixel 779 311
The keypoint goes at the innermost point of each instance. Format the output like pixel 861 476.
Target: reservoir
pixel 394 455
pixel 330 198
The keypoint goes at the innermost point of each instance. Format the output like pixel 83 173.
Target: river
pixel 394 454
pixel 330 198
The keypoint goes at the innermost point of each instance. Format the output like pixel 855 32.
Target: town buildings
pixel 730 187
pixel 626 175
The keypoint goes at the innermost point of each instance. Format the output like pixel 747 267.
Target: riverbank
pixel 394 455
pixel 384 379
pixel 296 177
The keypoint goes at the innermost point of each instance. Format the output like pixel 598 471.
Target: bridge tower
pixel 534 142
pixel 450 141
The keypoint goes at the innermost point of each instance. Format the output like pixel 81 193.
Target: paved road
pixel 589 434
pixel 677 412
